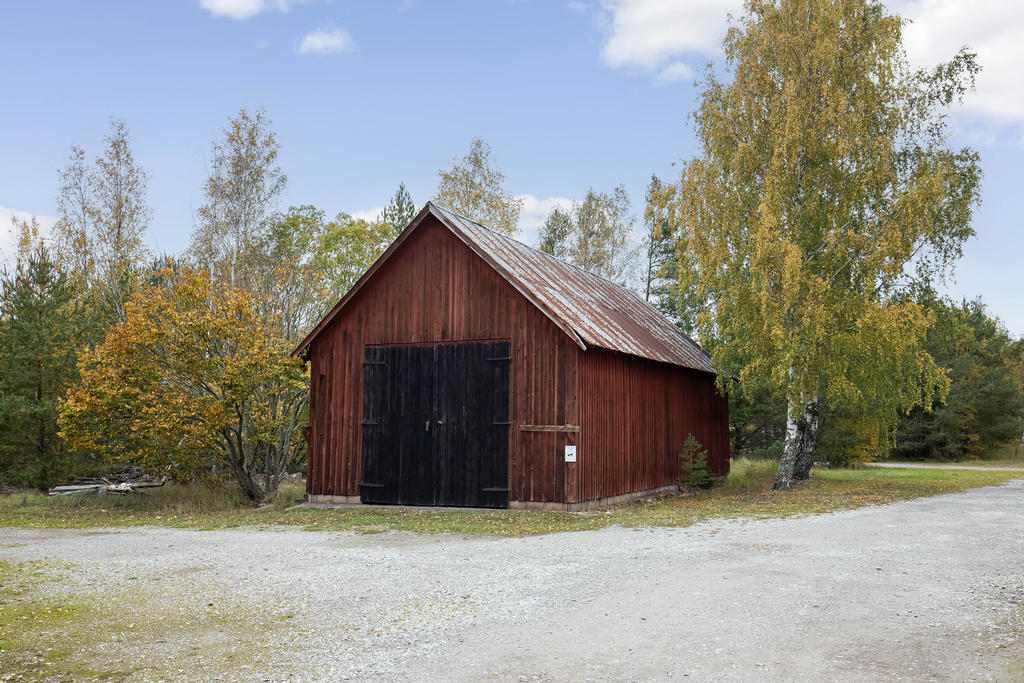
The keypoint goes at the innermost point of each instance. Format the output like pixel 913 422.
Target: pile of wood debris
pixel 126 480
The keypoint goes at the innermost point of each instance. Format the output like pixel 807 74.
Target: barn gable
pixel 589 309
pixel 465 368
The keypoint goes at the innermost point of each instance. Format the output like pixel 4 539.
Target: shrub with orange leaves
pixel 193 374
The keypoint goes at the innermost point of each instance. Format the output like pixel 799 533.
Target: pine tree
pixel 554 234
pixel 986 395
pixel 400 211
pixel 38 345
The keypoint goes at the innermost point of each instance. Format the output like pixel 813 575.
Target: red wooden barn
pixel 465 368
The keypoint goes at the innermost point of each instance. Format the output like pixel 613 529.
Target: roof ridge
pixel 540 251
pixel 575 300
pixel 594 287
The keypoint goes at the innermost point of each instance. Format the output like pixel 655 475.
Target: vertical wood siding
pixel 636 414
pixel 434 289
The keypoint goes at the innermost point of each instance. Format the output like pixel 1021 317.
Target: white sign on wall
pixel 570 454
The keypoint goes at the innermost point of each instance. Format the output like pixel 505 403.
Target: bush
pixel 694 468
pixel 194 376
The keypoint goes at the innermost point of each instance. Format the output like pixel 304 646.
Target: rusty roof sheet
pixel 598 312
pixel 591 310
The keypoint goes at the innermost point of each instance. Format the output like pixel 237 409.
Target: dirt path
pixel 920 590
pixel 920 466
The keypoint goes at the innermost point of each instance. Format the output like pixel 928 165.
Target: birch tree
pixel 104 215
pixel 474 186
pixel 824 183
pixel 243 185
pixel 593 234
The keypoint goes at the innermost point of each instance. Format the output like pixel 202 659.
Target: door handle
pixel 426 426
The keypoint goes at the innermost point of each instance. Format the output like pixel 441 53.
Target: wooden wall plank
pixel 434 289
pixel 635 415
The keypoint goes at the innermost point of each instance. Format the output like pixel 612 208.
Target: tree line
pixel 181 362
pixel 802 246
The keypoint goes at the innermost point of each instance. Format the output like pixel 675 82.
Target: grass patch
pixel 31 628
pixel 746 492
pixel 1011 453
pixel 113 632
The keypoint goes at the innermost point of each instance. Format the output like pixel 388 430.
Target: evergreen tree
pixel 554 234
pixel 38 344
pixel 680 304
pixel 399 212
pixel 984 407
pixel 659 249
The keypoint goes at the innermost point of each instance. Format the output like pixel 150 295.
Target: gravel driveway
pixel 919 590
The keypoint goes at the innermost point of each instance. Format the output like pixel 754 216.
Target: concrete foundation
pixel 320 500
pixel 585 505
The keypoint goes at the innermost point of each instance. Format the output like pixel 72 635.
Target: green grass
pixel 746 492
pixel 1007 456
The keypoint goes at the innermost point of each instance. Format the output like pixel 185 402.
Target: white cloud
pixel 648 34
pixel 535 212
pixel 992 28
pixel 234 9
pixel 368 214
pixel 8 236
pixel 676 71
pixel 243 9
pixel 325 42
pixel 665 38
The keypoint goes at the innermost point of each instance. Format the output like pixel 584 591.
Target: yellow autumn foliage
pixel 193 376
pixel 822 188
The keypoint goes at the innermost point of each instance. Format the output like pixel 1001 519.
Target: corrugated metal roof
pixel 591 310
pixel 599 312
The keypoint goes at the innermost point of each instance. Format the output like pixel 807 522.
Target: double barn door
pixel 435 425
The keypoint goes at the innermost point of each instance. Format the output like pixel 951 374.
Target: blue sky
pixel 363 95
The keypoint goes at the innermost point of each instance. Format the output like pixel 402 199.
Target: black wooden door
pixel 435 425
pixel 398 461
pixel 471 442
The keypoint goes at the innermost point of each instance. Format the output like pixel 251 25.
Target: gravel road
pixel 930 589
